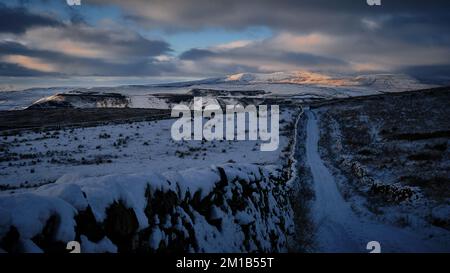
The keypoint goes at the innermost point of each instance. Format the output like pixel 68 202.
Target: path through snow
pixel 338 228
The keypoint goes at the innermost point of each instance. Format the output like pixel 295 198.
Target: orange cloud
pixel 30 63
pixel 311 43
pixel 78 49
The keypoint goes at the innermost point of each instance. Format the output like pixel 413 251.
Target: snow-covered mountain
pixel 297 84
pixel 294 77
pixel 389 82
pixel 83 100
pixel 383 82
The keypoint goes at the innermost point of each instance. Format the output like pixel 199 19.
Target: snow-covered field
pixel 131 187
pixel 43 157
pixel 341 230
pixel 389 157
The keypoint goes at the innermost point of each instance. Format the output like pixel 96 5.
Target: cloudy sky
pixel 127 41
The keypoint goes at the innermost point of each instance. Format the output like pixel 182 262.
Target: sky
pixel 146 41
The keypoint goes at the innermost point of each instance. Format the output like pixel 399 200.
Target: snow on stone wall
pixel 229 208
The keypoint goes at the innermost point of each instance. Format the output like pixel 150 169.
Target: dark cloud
pixel 310 59
pixel 196 54
pixel 48 46
pixel 434 74
pixel 294 15
pixel 79 66
pixel 123 42
pixel 259 56
pixel 18 20
pixel 259 52
pixel 14 48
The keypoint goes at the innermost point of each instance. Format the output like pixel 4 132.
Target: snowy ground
pixel 338 228
pixel 87 157
pixel 39 158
